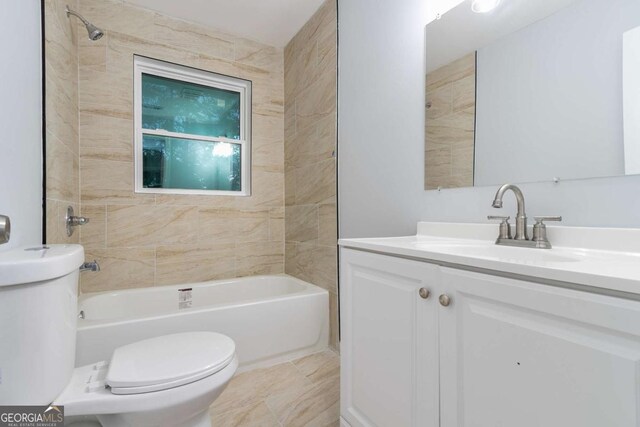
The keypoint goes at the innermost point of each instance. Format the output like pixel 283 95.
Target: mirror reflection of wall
pixel 550 97
pixel 631 106
pixel 450 121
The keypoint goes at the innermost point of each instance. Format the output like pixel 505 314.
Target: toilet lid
pixel 168 361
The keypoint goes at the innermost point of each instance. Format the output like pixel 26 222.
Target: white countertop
pixel 605 258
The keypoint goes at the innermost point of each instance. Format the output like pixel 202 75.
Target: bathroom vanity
pixel 446 328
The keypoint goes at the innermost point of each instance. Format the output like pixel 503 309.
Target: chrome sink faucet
pixel 521 237
pixel 521 216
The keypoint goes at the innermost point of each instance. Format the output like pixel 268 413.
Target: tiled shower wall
pixel 61 108
pixel 310 164
pixel 450 124
pixel 145 239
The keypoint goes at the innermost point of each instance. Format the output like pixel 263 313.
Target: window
pixel 192 130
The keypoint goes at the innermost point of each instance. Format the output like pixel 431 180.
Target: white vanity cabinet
pixel 389 341
pixel 504 352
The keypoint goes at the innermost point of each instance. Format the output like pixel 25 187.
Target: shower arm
pixel 77 15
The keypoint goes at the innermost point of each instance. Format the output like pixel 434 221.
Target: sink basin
pixel 500 253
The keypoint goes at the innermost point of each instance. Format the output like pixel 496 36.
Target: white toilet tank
pixel 38 315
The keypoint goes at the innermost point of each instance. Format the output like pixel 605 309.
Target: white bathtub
pixel 270 318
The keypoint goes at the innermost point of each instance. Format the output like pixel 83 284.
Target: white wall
pixel 381 92
pixel 550 97
pixel 20 121
pixel 380 116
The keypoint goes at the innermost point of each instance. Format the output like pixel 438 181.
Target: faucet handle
pixel 541 219
pixel 505 227
pixel 72 221
pixel 540 231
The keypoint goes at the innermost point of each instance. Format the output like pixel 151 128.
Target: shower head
pixel 94 32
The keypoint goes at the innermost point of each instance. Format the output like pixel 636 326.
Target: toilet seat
pixel 87 393
pixel 168 361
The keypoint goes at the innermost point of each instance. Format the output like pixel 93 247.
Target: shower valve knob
pixel 73 221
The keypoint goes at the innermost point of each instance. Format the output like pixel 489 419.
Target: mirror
pixel 532 91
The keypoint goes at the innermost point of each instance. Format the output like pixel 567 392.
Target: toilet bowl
pixel 166 381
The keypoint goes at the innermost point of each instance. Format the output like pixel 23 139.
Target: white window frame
pixel 144 65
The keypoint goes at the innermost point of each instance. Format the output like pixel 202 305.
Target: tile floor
pixel 304 392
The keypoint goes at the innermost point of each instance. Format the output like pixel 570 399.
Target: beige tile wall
pixel 310 164
pixel 145 239
pixel 450 124
pixel 61 107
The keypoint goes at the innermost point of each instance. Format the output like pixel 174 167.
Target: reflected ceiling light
pixel 222 149
pixel 484 6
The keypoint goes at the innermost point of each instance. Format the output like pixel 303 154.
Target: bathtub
pixel 270 318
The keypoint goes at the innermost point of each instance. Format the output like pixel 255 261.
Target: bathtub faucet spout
pixel 90 266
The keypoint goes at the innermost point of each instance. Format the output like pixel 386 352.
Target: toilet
pixel 166 381
pixel 169 380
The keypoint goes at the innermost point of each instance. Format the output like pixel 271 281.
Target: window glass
pixel 191 164
pixel 189 108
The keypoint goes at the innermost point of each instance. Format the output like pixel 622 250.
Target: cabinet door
pixel 514 353
pixel 389 341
